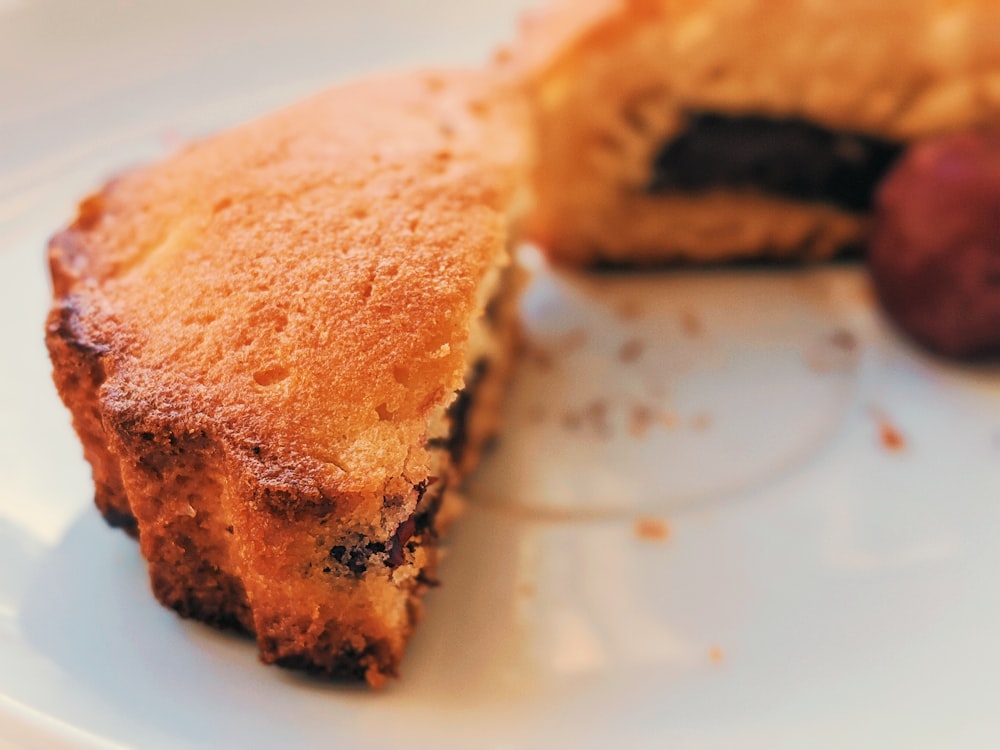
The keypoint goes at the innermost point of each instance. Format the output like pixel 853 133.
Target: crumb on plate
pixel 651 529
pixel 691 324
pixel 889 435
pixel 631 351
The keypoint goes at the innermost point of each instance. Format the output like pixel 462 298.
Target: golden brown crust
pixel 79 375
pixel 223 260
pixel 612 79
pixel 251 336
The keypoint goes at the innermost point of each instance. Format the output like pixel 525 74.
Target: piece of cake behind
pixel 261 340
pixel 709 130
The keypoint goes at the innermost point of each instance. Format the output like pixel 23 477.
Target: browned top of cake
pixel 299 289
pixel 900 67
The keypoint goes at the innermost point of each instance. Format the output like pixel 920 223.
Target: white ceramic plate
pixel 731 509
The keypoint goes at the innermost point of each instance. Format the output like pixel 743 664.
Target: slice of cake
pixel 712 130
pixel 282 347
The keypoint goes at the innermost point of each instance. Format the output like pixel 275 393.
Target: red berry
pixel 934 249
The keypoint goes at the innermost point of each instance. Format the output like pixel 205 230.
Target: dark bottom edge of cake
pixel 222 605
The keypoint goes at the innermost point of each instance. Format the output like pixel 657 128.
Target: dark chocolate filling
pixel 356 555
pixel 789 157
pixel 415 530
pixel 117 519
pixel 458 414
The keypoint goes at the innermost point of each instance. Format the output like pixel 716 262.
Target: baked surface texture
pixel 618 83
pixel 259 339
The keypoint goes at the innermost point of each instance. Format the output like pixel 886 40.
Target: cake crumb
pixel 544 354
pixel 716 655
pixel 596 415
pixel 643 417
pixel 892 440
pixel 691 324
pixel 651 529
pixel 631 350
pixel 640 419
pixel 593 415
pixel 667 419
pixel 890 437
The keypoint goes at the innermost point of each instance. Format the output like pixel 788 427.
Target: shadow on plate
pixel 89 610
pixel 521 613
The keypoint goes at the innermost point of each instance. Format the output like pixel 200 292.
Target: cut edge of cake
pixel 265 527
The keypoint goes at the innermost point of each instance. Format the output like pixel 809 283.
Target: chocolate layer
pixel 787 157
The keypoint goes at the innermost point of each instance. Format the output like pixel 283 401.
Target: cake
pixel 283 347
pixel 718 130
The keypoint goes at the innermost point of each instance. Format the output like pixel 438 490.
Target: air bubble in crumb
pixel 270 375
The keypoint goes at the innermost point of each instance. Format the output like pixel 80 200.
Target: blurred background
pixel 70 70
